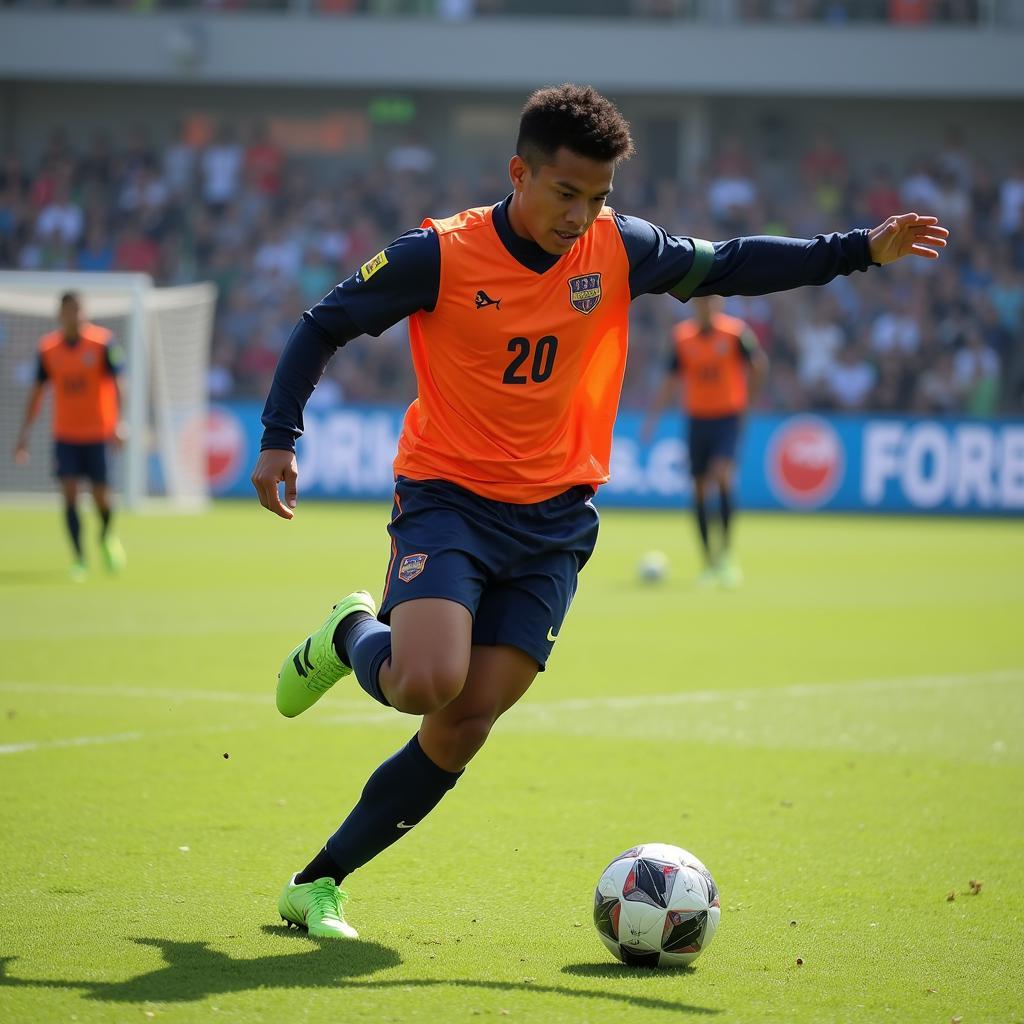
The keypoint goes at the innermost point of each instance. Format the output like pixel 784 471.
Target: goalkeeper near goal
pixel 82 363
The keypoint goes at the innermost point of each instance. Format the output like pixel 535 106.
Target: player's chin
pixel 560 242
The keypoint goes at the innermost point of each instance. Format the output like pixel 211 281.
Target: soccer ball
pixel 656 906
pixel 652 567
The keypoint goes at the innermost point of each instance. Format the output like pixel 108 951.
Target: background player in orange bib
pixel 716 368
pixel 81 363
pixel 518 328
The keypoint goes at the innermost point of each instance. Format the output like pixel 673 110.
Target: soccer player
pixel 713 354
pixel 81 362
pixel 518 321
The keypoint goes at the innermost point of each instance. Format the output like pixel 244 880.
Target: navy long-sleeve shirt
pixel 658 263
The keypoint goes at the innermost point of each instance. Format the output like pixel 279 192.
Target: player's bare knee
pixel 423 689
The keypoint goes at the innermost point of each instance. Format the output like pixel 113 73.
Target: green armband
pixel 703 257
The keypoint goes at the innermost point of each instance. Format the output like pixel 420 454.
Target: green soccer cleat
pixel 729 573
pixel 314 666
pixel 114 557
pixel 78 571
pixel 316 906
pixel 708 577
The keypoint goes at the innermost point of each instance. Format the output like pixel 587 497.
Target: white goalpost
pixel 165 335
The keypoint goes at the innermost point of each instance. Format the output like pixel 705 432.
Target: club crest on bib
pixel 411 566
pixel 585 292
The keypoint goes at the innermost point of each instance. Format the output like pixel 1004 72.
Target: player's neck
pixel 515 219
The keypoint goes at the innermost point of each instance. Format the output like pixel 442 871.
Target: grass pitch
pixel 840 741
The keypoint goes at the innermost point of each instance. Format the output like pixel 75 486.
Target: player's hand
pixel 273 467
pixel 21 455
pixel 909 234
pixel 119 436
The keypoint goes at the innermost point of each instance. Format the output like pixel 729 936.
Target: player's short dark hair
pixel 577 117
pixel 68 297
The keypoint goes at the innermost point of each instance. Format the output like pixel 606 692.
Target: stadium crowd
pixel 274 236
pixel 829 12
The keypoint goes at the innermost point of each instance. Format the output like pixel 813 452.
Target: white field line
pixel 771 693
pixel 76 741
pixel 28 746
pixel 546 709
pixel 539 710
pixel 265 699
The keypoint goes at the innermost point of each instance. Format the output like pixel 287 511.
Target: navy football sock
pixel 725 510
pixel 702 524
pixel 367 647
pixel 105 514
pixel 398 795
pixel 74 525
pixel 321 866
pixel 340 638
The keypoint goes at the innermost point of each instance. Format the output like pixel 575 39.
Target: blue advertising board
pixel 841 463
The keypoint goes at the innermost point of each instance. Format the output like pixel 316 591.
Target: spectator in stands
pixel 1011 202
pixel 732 192
pixel 897 328
pixel 221 168
pixel 819 337
pixel 882 193
pixel 134 251
pixel 60 221
pixel 179 163
pixel 1006 293
pixel 893 384
pixel 281 252
pixel 919 188
pixel 264 162
pixel 97 252
pixel 274 237
pixel 976 369
pixel 849 380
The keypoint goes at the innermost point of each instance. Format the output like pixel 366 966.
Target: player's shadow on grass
pixel 193 971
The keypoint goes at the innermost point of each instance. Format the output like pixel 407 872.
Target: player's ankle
pixel 339 641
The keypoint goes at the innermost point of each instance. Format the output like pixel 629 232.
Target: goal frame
pixel 137 391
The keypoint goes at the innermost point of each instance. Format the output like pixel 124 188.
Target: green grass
pixel 840 741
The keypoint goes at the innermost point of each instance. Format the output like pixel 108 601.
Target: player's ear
pixel 518 171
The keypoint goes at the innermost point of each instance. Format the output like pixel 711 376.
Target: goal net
pixel 165 336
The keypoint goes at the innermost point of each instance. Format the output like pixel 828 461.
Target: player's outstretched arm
pixel 907 234
pixel 273 467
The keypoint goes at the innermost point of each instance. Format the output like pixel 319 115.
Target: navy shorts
pixel 80 460
pixel 513 566
pixel 713 438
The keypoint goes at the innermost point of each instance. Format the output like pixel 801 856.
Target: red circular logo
pixel 805 462
pixel 225 447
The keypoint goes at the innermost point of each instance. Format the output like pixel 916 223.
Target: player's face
pixel 69 318
pixel 707 307
pixel 556 203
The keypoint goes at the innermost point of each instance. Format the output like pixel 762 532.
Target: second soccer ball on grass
pixel 652 567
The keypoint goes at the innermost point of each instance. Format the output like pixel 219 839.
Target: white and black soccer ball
pixel 656 906
pixel 652 567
